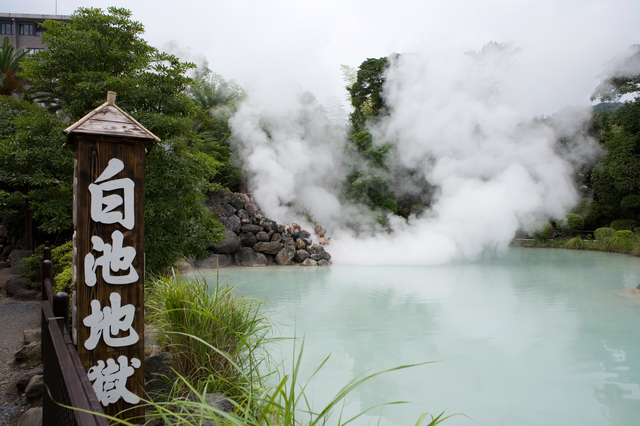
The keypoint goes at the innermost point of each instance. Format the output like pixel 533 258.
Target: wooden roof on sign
pixel 108 119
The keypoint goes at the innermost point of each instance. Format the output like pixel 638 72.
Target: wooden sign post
pixel 108 255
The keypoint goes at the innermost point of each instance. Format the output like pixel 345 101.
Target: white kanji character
pixel 109 321
pixel 115 258
pixel 110 381
pixel 98 199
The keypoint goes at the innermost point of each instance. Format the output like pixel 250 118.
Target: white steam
pixel 497 170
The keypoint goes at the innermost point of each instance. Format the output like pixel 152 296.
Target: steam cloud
pixel 497 169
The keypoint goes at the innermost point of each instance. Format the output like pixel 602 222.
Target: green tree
pixel 100 51
pixel 10 58
pixel 616 178
pixel 218 100
pixel 34 164
pixel 373 166
pixel 621 77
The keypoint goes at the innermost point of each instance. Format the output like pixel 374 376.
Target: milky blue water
pixel 536 337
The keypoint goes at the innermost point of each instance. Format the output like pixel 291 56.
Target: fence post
pixel 47 275
pixel 61 306
pixel 47 268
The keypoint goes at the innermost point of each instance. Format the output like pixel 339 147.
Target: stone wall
pixel 255 240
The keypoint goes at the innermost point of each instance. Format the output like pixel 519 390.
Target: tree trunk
pixel 28 233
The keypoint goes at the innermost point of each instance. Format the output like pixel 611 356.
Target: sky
pixel 564 43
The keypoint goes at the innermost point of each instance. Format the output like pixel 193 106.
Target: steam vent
pixel 255 240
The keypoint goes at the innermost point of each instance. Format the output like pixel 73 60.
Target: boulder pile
pixel 255 240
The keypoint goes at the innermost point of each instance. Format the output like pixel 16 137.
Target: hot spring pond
pixel 537 336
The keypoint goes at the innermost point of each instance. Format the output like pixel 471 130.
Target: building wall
pixel 24 29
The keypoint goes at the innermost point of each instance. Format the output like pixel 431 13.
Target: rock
pixel 22 294
pixel 227 210
pixel 244 216
pixel 303 234
pixel 252 209
pixel 158 374
pixel 31 417
pixel 214 261
pixel 281 229
pixel 271 248
pixel 28 352
pixel 230 245
pixel 215 400
pixel 293 229
pixel 262 236
pixel 276 238
pixel 35 387
pixel 269 224
pixel 324 241
pixel 234 224
pixel 309 262
pixel 271 259
pixel 3 231
pixel 307 241
pixel 252 228
pixel 31 336
pixel 318 252
pixel 248 240
pixel 301 255
pixel 6 251
pixel 285 256
pixel 16 260
pixel 300 244
pixel 236 203
pixel 239 200
pixel 271 232
pixel 22 383
pixel 320 231
pixel 323 262
pixel 248 257
pixel 15 284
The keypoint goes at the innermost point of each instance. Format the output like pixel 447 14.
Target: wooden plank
pixel 111 114
pixel 110 128
pixel 73 383
pixel 94 153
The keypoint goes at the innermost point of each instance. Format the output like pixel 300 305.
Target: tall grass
pixel 216 338
pixel 620 242
pixel 575 243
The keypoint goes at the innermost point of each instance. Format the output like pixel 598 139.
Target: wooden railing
pixel 66 382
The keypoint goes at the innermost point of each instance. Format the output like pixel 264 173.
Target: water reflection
pixel 536 336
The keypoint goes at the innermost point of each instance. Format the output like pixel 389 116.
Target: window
pixel 39 30
pixel 6 28
pixel 27 29
pixel 33 50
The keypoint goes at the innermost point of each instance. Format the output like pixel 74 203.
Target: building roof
pixel 32 17
pixel 109 119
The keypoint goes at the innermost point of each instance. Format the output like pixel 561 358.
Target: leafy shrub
pixel 62 259
pixel 603 233
pixel 636 249
pixel 620 242
pixel 623 224
pixel 543 230
pixel 574 243
pixel 575 222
